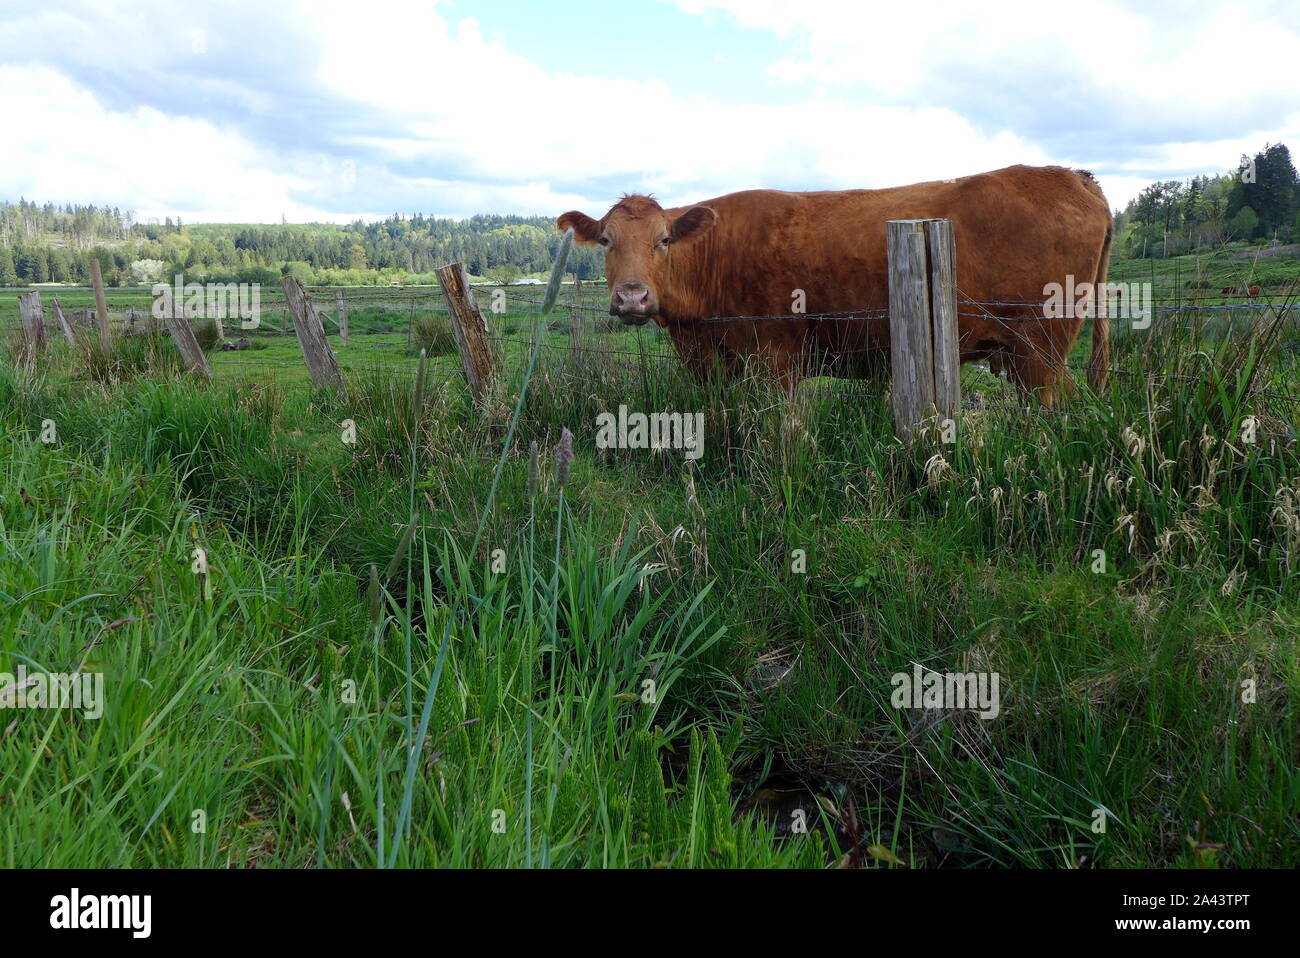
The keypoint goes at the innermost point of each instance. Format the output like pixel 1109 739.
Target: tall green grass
pixel 486 703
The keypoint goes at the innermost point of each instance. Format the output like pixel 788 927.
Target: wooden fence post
pixel 922 322
pixel 216 321
pixel 575 328
pixel 29 309
pixel 470 327
pixel 183 335
pixel 321 365
pixel 342 301
pixel 63 323
pixel 101 308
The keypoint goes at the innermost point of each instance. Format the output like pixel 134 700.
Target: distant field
pixel 1174 277
pixel 1178 276
pixel 380 333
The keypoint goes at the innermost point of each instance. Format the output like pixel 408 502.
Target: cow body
pixel 1016 231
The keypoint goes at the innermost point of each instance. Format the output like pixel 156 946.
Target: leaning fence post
pixel 29 309
pixel 342 301
pixel 183 335
pixel 101 308
pixel 470 328
pixel 922 322
pixel 63 323
pixel 321 365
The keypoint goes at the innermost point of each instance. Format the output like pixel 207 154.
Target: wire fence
pixel 517 315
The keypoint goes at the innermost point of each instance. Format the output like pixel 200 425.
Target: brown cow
pixel 748 254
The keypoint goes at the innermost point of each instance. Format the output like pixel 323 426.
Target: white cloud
pixel 1186 55
pixel 416 106
pixel 444 79
pixel 1208 69
pixel 63 145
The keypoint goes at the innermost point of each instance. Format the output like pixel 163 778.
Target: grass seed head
pixel 564 456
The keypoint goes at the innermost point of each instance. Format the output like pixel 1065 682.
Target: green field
pixel 1203 276
pixel 417 586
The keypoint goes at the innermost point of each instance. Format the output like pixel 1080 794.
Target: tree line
pixel 1260 200
pixel 49 243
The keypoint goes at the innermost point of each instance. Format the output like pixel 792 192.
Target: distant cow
pixel 241 343
pixel 747 254
pixel 1252 290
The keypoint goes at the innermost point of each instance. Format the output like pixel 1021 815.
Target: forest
pixel 42 243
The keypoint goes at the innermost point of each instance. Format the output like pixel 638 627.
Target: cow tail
pixel 1101 319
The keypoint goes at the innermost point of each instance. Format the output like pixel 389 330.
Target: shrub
pixel 205 331
pixel 434 334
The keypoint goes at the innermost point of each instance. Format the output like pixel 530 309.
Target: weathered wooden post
pixel 342 301
pixel 321 365
pixel 29 309
pixel 63 323
pixel 215 312
pixel 183 335
pixel 101 307
pixel 470 327
pixel 922 322
pixel 575 328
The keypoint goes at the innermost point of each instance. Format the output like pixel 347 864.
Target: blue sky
pixel 332 110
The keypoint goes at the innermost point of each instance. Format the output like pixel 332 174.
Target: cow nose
pixel 631 300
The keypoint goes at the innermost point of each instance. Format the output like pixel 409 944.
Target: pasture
pixel 419 648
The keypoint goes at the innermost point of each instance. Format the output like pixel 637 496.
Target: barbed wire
pixel 406 299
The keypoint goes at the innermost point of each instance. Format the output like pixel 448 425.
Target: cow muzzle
pixel 633 303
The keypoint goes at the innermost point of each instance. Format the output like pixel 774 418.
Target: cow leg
pixel 1033 378
pixel 701 368
pixel 1036 357
pixel 1037 366
pixel 789 378
pixel 699 358
pixel 787 368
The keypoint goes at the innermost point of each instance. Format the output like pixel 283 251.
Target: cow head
pixel 638 236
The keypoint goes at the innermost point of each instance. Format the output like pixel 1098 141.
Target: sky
pixel 332 111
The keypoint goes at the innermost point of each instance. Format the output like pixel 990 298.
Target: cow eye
pixel 604 241
pixel 662 244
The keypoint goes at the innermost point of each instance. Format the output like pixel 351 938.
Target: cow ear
pixel 585 230
pixel 694 222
